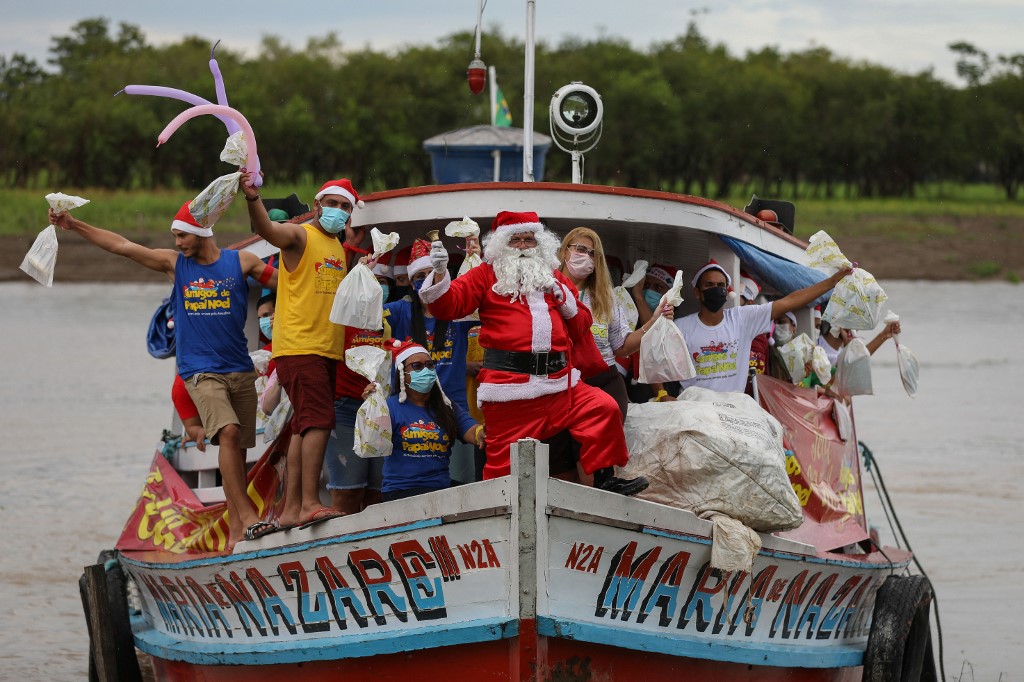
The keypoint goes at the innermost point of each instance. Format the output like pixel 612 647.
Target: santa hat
pixel 184 222
pixel 663 273
pixel 712 265
pixel 402 351
pixel 817 312
pixel 510 222
pixel 342 187
pixel 402 261
pixel 419 257
pixel 383 266
pixel 749 289
pixel 792 318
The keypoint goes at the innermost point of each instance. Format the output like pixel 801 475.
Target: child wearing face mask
pixel 424 426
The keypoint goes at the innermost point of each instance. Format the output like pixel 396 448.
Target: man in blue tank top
pixel 211 305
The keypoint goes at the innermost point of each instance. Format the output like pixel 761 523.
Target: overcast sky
pixel 907 35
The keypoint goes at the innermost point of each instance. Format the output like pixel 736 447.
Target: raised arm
pixel 887 333
pixel 285 236
pixel 803 297
pixel 261 272
pixel 160 260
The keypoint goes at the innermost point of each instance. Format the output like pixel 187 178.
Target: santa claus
pixel 533 330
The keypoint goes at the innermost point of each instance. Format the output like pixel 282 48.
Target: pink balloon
pixel 181 95
pixel 252 159
pixel 218 79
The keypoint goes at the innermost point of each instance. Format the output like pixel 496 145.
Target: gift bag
pixel 359 300
pixel 856 302
pixel 64 202
pixel 382 243
pixel 210 204
pixel 821 366
pixel 373 420
pixel 796 354
pixel 908 363
pixel 623 295
pixel 853 370
pixel 663 352
pixel 41 260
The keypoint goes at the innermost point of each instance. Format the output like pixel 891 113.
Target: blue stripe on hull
pixel 297 651
pixel 781 655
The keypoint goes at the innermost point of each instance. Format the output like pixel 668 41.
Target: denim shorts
pixel 345 469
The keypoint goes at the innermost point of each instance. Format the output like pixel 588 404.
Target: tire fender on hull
pixel 899 644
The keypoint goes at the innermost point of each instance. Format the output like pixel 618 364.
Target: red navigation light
pixel 476 75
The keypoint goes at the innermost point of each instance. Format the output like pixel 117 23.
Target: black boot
pixel 605 479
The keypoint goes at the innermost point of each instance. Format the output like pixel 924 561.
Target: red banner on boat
pixel 170 518
pixel 824 469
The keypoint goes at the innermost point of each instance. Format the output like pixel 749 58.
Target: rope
pixel 869 460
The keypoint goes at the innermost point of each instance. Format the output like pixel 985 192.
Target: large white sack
pixel 853 370
pixel 713 452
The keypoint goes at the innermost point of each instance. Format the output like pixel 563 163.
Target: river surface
pixel 82 406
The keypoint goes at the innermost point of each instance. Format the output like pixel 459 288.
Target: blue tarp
pixel 781 274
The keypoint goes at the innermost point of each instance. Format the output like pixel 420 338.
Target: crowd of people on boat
pixel 532 343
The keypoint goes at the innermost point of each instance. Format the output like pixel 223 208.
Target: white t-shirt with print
pixel 611 334
pixel 721 354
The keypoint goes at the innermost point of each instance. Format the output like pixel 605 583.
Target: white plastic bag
pixel 820 365
pixel 210 204
pixel 64 202
pixel 853 370
pixel 382 243
pixel 41 260
pixel 462 228
pixel 277 419
pixel 359 300
pixel 823 253
pixel 907 360
pixel 234 151
pixel 373 420
pixel 843 419
pixel 796 354
pixel 856 302
pixel 622 293
pixel 663 352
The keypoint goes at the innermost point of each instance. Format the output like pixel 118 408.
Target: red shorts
pixel 309 382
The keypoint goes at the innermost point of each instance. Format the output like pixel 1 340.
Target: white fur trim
pixel 434 291
pixel 401 270
pixel 711 266
pixel 568 308
pixel 421 263
pixel 541 341
pixel 411 350
pixel 182 226
pixel 534 387
pixel 519 227
pixel 334 189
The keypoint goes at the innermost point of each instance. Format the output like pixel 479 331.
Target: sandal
pixel 259 529
pixel 321 514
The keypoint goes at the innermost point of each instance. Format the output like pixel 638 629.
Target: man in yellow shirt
pixel 307 345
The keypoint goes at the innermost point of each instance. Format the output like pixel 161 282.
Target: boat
pixel 524 577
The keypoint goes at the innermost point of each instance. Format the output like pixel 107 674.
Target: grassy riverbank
pixel 946 232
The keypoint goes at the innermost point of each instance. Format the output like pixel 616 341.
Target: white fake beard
pixel 520 272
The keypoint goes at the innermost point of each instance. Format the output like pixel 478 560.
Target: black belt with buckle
pixel 539 364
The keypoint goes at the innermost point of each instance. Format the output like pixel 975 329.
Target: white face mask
pixel 783 333
pixel 579 265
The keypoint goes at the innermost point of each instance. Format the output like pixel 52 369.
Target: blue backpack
pixel 160 339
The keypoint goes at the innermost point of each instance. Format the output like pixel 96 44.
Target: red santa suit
pixel 519 405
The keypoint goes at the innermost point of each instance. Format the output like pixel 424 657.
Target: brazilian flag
pixel 502 112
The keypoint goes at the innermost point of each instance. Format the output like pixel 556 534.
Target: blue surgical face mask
pixel 652 297
pixel 333 219
pixel 417 284
pixel 387 290
pixel 267 325
pixel 422 380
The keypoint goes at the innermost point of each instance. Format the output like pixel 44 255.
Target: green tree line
pixel 685 115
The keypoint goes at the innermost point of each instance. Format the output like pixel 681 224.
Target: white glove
pixel 439 258
pixel 557 292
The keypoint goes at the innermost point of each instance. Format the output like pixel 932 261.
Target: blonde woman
pixel 582 260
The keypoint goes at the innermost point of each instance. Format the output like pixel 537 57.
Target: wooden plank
pixel 101 627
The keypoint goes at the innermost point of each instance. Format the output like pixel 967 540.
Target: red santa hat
pixel 712 265
pixel 383 266
pixel 184 222
pixel 402 261
pixel 342 187
pixel 792 318
pixel 511 222
pixel 817 312
pixel 419 257
pixel 663 273
pixel 749 289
